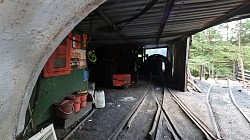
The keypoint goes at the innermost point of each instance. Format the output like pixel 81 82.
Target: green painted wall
pixel 51 90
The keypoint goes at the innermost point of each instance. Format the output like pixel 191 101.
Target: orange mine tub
pixel 121 79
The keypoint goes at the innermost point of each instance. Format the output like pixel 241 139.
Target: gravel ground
pixel 242 98
pixel 104 121
pixel 119 102
pixel 231 123
pixel 162 131
pixel 142 122
pixel 184 126
pixel 196 103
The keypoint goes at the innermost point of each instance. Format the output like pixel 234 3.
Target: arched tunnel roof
pixel 158 21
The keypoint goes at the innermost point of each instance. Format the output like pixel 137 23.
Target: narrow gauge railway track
pixel 130 116
pixel 212 110
pixel 235 103
pixel 79 124
pixel 162 116
pixel 121 125
pixel 195 120
pixel 128 120
pixel 203 128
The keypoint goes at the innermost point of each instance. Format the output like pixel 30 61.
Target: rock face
pixel 29 33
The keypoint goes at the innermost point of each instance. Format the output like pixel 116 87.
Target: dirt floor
pixel 104 121
pixel 141 124
pixel 119 102
pixel 232 125
pixel 183 125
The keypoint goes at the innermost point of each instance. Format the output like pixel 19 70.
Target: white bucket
pixel 99 99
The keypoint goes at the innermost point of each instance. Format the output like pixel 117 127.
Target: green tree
pixel 208 47
pixel 211 46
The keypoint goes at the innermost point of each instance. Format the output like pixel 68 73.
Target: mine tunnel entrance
pixel 157 51
pixel 157 63
pixel 114 59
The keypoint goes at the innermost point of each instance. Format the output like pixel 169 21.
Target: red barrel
pixel 77 102
pixel 64 108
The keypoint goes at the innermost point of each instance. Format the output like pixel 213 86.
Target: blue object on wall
pixel 85 74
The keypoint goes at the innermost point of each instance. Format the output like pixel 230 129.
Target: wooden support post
pixel 181 48
pixel 170 57
pixel 200 72
pixel 212 75
pixel 241 60
pixel 242 72
pixel 209 71
pixel 203 71
pixel 169 53
pixel 234 75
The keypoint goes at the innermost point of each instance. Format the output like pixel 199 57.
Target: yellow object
pixel 83 92
pixel 92 56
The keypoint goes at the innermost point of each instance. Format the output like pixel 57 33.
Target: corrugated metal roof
pixel 186 17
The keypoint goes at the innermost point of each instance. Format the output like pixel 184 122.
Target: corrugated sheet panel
pixel 186 17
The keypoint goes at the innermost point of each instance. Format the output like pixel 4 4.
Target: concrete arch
pixel 30 32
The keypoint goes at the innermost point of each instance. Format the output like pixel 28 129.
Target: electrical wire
pixel 79 41
pixel 90 34
pixel 144 10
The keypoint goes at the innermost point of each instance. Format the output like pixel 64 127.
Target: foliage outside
pixel 221 49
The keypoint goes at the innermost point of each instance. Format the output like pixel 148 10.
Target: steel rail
pixel 161 111
pixel 155 123
pixel 78 125
pixel 158 133
pixel 157 115
pixel 191 116
pixel 215 125
pixel 195 120
pixel 136 112
pixel 170 125
pixel 234 102
pixel 114 135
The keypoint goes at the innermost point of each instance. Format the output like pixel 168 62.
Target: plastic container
pixel 77 102
pixel 85 74
pixel 91 91
pixel 83 99
pixel 91 88
pixel 99 99
pixel 64 108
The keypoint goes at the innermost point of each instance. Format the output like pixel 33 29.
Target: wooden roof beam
pixel 164 18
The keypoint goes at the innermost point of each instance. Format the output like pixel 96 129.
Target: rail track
pixel 196 121
pixel 162 121
pixel 162 117
pixel 212 110
pixel 127 120
pixel 235 103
